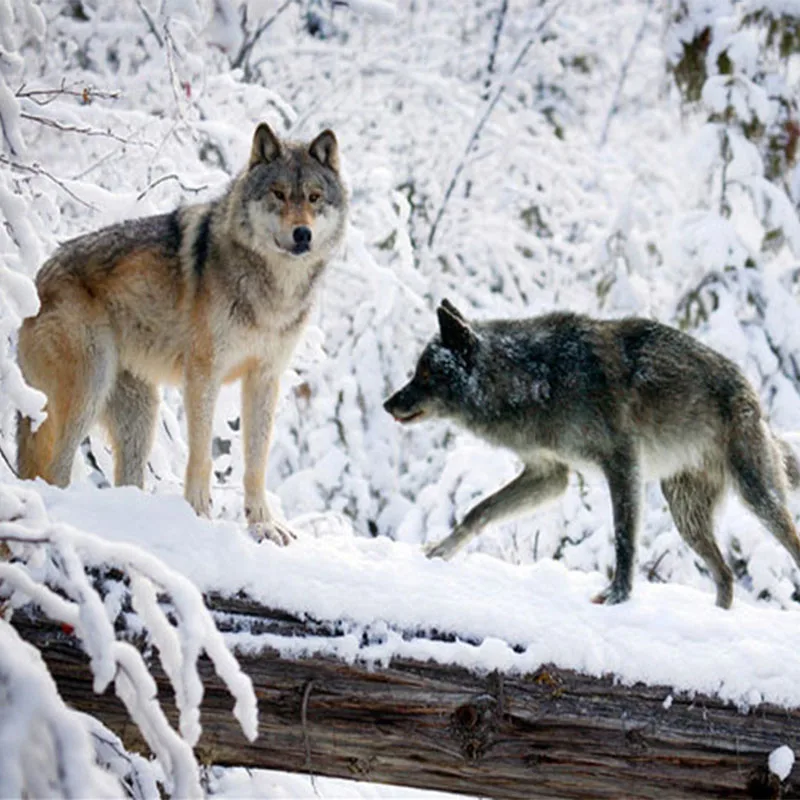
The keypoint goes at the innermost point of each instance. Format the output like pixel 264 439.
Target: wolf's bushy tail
pixel 791 463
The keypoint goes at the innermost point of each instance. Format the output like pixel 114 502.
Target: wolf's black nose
pixel 302 236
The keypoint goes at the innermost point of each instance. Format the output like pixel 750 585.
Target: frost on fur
pixel 51 570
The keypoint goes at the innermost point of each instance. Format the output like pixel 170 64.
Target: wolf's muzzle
pixel 403 405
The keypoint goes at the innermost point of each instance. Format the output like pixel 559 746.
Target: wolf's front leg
pixel 259 399
pixel 625 484
pixel 533 486
pixel 200 396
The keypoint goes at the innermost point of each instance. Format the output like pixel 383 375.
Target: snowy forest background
pixel 636 157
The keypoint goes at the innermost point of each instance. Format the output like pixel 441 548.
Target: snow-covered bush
pixel 48 749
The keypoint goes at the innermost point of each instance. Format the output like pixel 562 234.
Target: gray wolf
pixel 632 397
pixel 204 295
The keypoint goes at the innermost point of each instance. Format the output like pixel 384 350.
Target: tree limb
pixel 551 733
pixel 476 133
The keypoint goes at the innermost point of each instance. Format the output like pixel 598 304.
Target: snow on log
pixel 550 733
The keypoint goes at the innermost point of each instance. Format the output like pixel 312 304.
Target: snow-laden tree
pixel 736 64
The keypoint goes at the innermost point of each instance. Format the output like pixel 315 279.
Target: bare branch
pixel 623 75
pixel 473 139
pixel 498 29
pixel 67 128
pixel 35 169
pixel 249 42
pixel 86 93
pixel 172 177
pixel 150 23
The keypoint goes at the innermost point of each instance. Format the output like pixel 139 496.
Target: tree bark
pixel 555 733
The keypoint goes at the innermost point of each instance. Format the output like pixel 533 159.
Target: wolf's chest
pixel 270 343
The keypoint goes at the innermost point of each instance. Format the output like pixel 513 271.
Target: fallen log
pixel 554 733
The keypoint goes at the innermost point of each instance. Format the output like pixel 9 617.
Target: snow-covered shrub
pixel 49 749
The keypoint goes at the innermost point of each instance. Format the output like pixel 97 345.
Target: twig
pixel 37 170
pixel 87 93
pixel 306 742
pixel 623 75
pixel 172 177
pixel 652 570
pixel 498 29
pixel 113 153
pixel 248 44
pixel 66 128
pixel 173 72
pixel 498 93
pixel 150 23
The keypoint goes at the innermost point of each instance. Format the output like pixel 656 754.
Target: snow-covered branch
pixel 52 570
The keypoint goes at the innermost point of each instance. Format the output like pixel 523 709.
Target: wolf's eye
pixel 314 197
pixel 279 195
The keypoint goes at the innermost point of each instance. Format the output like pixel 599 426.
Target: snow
pixel 242 783
pixel 38 731
pixel 672 215
pixel 503 616
pixel 781 761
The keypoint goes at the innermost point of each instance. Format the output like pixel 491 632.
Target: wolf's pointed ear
pixel 448 306
pixel 266 145
pixel 325 149
pixel 455 331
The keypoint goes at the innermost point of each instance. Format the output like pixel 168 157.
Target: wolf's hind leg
pixel 692 497
pixel 130 416
pixel 74 365
pixel 79 406
pixel 758 470
pixel 534 485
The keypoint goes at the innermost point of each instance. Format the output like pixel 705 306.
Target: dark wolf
pixel 201 296
pixel 632 397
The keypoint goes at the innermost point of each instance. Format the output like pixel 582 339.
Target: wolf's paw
pixel 444 549
pixel 612 596
pixel 199 498
pixel 270 530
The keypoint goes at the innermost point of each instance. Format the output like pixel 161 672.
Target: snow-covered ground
pixel 261 784
pixel 507 617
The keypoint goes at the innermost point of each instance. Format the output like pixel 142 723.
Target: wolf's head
pixel 292 199
pixel 439 386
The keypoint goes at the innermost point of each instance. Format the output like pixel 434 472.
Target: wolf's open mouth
pixel 409 417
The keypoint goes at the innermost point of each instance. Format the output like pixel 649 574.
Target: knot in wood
pixel 635 740
pixel 473 723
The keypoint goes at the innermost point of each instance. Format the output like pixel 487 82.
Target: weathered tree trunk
pixel 555 733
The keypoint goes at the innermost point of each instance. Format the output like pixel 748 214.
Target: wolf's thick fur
pixel 633 397
pixel 201 296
